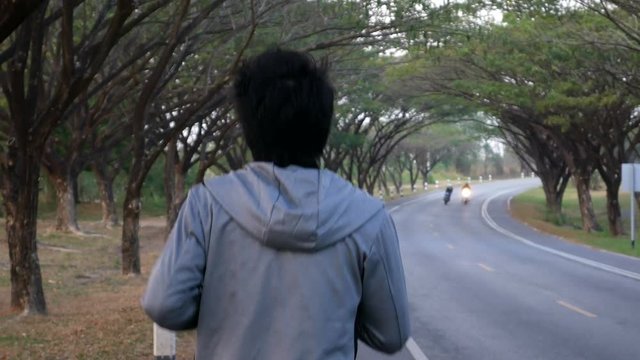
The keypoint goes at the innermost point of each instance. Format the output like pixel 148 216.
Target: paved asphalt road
pixel 483 286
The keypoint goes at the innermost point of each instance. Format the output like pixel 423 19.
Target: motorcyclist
pixel 466 192
pixel 447 194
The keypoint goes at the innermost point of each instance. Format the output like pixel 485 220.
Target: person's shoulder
pixel 208 190
pixel 198 195
pixel 221 182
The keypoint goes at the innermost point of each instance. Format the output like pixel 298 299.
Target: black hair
pixel 284 101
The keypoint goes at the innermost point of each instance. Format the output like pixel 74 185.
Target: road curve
pixel 483 286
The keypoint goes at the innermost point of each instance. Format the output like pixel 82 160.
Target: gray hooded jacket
pixel 281 263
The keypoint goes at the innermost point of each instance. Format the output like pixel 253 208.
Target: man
pixel 282 260
pixel 466 193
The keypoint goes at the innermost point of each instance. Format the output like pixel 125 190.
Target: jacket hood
pixel 293 208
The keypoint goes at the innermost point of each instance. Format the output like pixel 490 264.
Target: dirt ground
pixel 93 310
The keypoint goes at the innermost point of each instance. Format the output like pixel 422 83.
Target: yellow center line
pixel 576 309
pixel 487 268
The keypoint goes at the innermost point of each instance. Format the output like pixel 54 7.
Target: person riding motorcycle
pixel 447 194
pixel 466 192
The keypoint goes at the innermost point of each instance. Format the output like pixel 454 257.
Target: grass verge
pixel 94 311
pixel 529 207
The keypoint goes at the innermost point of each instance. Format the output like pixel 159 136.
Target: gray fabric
pixel 281 263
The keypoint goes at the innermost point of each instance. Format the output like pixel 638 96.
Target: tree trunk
pixel 589 221
pixel 413 175
pixel 20 192
pixel 174 184
pixel 425 176
pixel 14 14
pixel 170 162
pixel 107 198
pixel 66 219
pixel 614 214
pixel 396 180
pixel 387 192
pixel 179 194
pixel 553 203
pixel 348 168
pixel 200 174
pixel 76 188
pixel 610 173
pixel 382 183
pixel 372 178
pixel 554 184
pixel 63 178
pixel 130 232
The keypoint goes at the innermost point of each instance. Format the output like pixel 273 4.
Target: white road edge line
pixel 592 263
pixel 415 351
pixel 419 198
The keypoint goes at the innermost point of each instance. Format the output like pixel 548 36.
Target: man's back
pixel 282 260
pixel 296 262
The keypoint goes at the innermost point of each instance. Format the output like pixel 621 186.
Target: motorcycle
pixel 466 195
pixel 447 194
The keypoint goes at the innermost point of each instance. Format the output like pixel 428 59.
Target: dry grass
pixel 94 311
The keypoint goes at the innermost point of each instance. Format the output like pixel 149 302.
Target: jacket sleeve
pixel 383 314
pixel 172 297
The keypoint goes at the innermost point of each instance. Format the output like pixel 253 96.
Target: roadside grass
pixel 89 211
pixel 529 207
pixel 94 310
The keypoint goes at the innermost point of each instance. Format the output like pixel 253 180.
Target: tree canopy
pixel 111 87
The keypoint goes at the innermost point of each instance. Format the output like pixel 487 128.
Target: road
pixel 483 286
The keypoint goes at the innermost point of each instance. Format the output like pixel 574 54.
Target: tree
pixel 63 162
pixel 541 154
pixel 154 124
pixel 371 120
pixel 94 131
pixel 601 109
pixel 167 105
pixel 14 13
pixel 395 165
pixel 622 14
pixel 37 100
pixel 200 144
pixel 105 170
pixel 435 144
pixel 536 68
pixel 604 58
pixel 363 164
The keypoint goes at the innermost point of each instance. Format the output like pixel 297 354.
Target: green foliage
pixel 346 139
pixel 544 63
pixel 153 188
